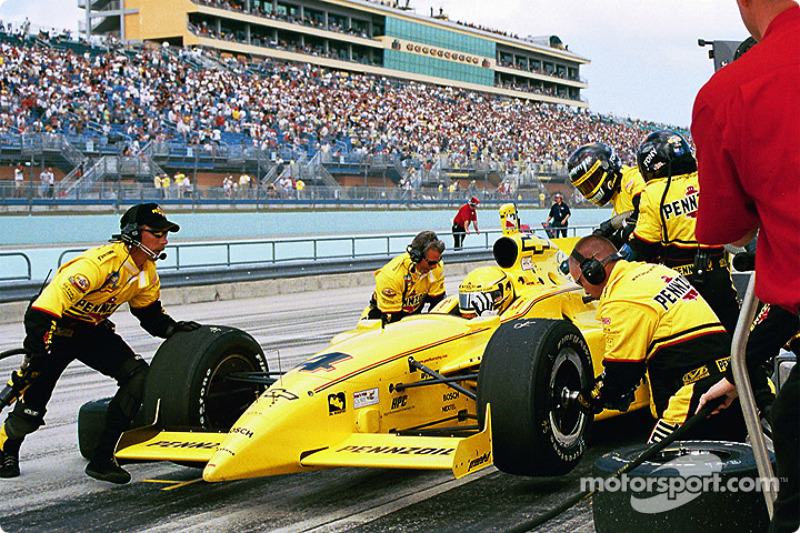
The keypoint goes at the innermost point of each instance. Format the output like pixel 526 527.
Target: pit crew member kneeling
pixel 69 320
pixel 406 283
pixel 654 322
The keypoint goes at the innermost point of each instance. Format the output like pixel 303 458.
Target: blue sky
pixel 645 61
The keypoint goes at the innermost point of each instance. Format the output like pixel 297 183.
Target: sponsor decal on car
pixel 365 397
pixel 326 362
pixel 242 431
pixel 187 444
pixel 478 461
pixel 276 394
pixel 399 401
pixel 396 450
pixel 336 403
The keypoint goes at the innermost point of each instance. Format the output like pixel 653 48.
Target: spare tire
pixel 188 376
pixel 690 486
pixel 92 422
pixel 524 368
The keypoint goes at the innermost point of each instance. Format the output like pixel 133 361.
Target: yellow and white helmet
pixel 485 289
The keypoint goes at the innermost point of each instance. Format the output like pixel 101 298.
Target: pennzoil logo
pixel 181 444
pixel 396 450
pixel 479 462
pixel 336 403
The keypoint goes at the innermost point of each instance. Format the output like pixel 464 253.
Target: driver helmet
pixel 485 289
pixel 595 170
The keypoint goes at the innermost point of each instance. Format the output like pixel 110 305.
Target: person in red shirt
pixel 466 215
pixel 745 128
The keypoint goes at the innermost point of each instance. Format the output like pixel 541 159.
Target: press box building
pixel 382 38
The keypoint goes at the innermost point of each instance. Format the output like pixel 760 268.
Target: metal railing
pixel 195 257
pixel 4 256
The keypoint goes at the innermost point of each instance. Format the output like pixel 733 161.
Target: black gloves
pixel 181 325
pixel 606 229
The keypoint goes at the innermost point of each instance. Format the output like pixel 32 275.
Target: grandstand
pixel 108 117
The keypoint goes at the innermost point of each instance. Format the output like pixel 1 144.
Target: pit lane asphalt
pixel 53 494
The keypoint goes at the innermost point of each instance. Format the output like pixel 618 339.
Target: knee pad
pixel 23 420
pixel 131 378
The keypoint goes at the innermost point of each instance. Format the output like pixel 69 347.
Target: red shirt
pixel 746 127
pixel 465 214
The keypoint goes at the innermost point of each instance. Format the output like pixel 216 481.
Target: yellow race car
pixel 436 390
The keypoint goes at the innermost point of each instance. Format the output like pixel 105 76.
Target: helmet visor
pixel 590 185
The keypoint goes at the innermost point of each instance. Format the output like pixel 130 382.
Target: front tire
pixel 524 368
pixel 188 374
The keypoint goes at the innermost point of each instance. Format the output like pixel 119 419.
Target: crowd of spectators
pixel 159 93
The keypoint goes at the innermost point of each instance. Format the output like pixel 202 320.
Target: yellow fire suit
pixel 654 321
pixel 400 290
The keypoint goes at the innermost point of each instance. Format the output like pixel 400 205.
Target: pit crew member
pixel 665 230
pixel 654 322
pixel 744 124
pixel 465 216
pixel 596 171
pixel 69 320
pixel 406 283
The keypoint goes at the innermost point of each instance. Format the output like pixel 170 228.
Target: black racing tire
pixel 92 422
pixel 187 374
pixel 619 509
pixel 525 366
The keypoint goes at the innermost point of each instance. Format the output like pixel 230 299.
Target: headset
pixel 131 235
pixel 593 270
pixel 418 254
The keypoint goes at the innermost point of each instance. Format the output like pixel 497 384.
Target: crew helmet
pixel 485 289
pixel 663 154
pixel 595 170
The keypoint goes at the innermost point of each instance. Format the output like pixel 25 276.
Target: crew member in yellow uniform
pixel 654 321
pixel 69 320
pixel 599 175
pixel 408 281
pixel 667 217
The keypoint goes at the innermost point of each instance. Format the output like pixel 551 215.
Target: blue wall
pixel 45 229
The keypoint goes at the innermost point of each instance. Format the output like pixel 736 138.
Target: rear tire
pixel 525 366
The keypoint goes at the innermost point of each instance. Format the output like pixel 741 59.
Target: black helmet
pixel 665 153
pixel 595 170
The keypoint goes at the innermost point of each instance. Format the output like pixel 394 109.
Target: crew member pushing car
pixel 409 281
pixel 654 322
pixel 69 320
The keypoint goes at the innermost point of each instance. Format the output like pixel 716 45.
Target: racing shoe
pixel 9 464
pixel 107 469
